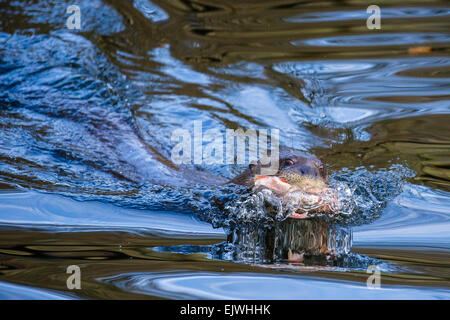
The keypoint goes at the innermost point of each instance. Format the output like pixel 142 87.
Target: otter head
pixel 298 170
pixel 300 181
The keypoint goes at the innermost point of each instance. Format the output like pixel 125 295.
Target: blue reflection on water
pixel 419 216
pixel 58 213
pixel 376 39
pixel 10 291
pixel 206 285
pixel 387 13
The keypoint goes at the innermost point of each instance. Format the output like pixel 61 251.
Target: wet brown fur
pixel 294 167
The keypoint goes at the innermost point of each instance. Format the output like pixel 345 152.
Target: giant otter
pixel 301 180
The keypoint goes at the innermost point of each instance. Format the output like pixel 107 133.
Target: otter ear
pixel 255 168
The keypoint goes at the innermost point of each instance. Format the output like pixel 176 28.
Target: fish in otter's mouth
pixel 301 183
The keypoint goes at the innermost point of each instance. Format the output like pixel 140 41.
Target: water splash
pixel 362 195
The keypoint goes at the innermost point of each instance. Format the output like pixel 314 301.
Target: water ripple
pixel 57 213
pixel 150 10
pixel 386 13
pixel 10 291
pixel 376 40
pixel 242 286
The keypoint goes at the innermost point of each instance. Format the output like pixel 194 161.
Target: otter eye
pixel 289 162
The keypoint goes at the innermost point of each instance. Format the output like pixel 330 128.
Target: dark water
pixel 86 118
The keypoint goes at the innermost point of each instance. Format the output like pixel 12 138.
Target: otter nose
pixel 306 170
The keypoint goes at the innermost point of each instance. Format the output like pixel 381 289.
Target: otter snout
pixel 300 170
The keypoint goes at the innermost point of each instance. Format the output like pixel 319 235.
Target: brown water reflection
pixel 32 258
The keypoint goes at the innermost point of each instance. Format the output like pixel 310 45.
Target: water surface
pixel 86 118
